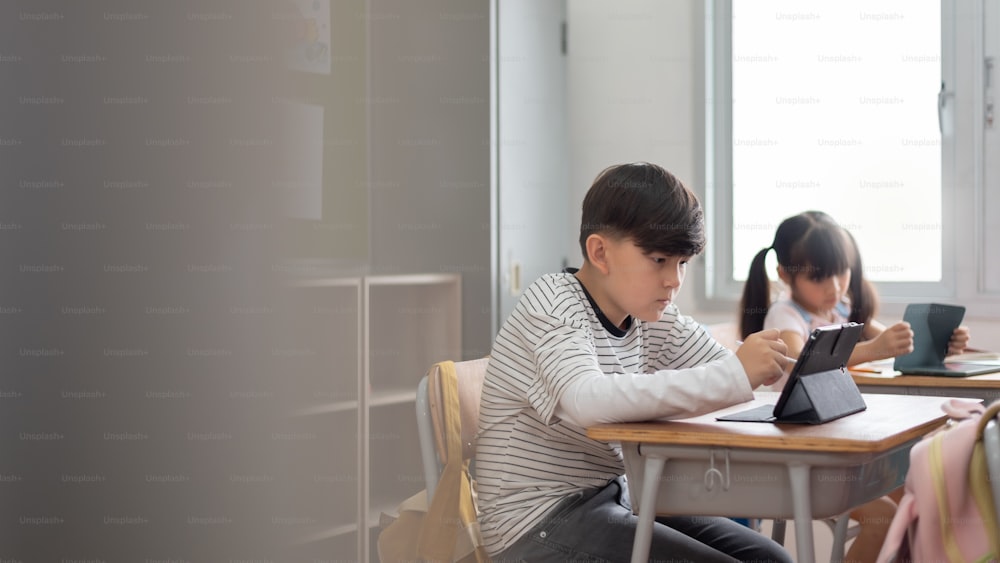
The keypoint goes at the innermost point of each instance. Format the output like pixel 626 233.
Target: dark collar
pixel 605 322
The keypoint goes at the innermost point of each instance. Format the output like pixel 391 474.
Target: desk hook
pixel 712 472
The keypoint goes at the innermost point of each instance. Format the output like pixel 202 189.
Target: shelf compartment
pixel 413 322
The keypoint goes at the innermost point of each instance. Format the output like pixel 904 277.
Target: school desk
pixel 985 387
pixel 703 467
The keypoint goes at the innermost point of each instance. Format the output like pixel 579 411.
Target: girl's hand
pixel 959 340
pixel 896 340
pixel 763 357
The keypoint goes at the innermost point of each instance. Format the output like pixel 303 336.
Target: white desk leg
pixel 839 537
pixel 798 474
pixel 647 509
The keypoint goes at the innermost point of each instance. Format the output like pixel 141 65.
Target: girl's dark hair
pixel 811 244
pixel 646 204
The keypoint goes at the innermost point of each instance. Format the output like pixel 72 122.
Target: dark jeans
pixel 598 525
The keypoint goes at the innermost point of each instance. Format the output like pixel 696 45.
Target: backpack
pixel 947 511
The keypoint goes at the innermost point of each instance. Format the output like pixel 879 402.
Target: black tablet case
pixel 820 388
pixel 932 325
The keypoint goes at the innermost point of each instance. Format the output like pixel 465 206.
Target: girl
pixel 820 265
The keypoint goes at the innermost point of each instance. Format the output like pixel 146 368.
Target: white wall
pixel 631 96
pixel 533 148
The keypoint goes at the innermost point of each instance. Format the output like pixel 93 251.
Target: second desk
pixel 985 387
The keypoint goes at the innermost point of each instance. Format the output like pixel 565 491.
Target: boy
pixel 605 344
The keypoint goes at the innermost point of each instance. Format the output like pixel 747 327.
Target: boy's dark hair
pixel 646 204
pixel 814 245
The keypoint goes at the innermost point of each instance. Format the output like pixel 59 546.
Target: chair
pixel 442 521
pixel 430 416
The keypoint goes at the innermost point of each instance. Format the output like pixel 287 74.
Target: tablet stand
pixel 818 389
pixel 822 397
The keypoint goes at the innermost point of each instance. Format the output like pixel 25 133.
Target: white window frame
pixel 967 169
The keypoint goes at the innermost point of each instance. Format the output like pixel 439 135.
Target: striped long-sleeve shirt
pixel 527 457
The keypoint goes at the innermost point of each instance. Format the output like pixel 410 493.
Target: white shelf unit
pixel 320 356
pixel 412 321
pixel 353 351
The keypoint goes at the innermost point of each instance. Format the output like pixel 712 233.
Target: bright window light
pixel 835 109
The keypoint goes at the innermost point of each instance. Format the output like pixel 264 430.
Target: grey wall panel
pixel 130 255
pixel 428 104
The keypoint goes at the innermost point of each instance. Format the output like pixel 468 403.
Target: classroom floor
pixel 822 539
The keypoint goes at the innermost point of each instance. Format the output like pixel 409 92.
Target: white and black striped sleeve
pixel 563 353
pixel 663 394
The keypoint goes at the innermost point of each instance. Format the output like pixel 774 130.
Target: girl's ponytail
pixel 864 299
pixel 756 296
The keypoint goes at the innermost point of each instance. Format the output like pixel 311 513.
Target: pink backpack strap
pixel 896 538
pixel 960 409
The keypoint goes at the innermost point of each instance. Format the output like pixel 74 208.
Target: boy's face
pixel 641 284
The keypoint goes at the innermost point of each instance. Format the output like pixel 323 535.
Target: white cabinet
pixel 319 359
pixel 352 351
pixel 412 321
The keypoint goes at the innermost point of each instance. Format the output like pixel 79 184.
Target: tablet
pixel 819 388
pixel 933 325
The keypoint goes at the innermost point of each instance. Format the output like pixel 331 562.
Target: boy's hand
pixel 896 340
pixel 959 340
pixel 763 357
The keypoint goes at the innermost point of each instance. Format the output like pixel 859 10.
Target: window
pixel 866 110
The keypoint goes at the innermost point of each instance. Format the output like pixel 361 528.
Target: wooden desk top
pixel 889 421
pixel 984 381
